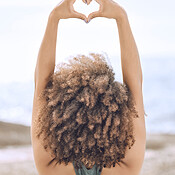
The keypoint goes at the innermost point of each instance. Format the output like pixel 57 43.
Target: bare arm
pixel 44 68
pixel 131 68
pixel 46 56
pixel 132 76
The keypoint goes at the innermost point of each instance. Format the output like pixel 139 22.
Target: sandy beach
pixel 16 157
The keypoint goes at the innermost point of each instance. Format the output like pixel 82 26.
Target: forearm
pixel 47 52
pixel 131 67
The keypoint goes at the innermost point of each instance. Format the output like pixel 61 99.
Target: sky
pixel 23 23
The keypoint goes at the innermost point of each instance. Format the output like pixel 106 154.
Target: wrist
pixel 53 18
pixel 122 17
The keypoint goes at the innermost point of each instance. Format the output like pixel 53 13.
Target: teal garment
pixel 84 171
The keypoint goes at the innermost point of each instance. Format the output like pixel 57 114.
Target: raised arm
pixel 44 68
pixel 47 52
pixel 131 67
pixel 46 56
pixel 132 77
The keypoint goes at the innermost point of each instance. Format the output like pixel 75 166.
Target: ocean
pixel 16 98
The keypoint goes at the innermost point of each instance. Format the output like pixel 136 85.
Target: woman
pixel 84 122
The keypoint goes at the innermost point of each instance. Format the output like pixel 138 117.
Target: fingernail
pixel 89 20
pixel 85 21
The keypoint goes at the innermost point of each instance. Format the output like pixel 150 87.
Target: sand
pixel 16 157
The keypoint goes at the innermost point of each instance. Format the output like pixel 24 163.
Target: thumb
pixel 93 15
pixel 79 15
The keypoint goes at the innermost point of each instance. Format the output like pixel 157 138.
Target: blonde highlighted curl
pixel 87 116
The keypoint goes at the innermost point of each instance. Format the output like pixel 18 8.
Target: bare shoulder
pixel 38 151
pixel 134 157
pixel 41 157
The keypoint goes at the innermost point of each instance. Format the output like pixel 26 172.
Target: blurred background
pixel 22 26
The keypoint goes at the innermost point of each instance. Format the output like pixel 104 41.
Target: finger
pixel 93 15
pixel 88 2
pixel 84 1
pixel 79 15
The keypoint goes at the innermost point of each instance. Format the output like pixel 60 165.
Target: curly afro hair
pixel 88 116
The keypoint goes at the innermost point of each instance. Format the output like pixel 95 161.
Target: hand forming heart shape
pixel 108 9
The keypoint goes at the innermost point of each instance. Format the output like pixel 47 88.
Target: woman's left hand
pixel 66 10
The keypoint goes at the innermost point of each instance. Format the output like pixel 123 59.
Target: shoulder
pixel 41 157
pixel 135 156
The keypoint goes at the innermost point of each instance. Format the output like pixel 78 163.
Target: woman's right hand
pixel 108 9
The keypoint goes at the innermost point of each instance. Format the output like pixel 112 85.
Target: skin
pixel 132 76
